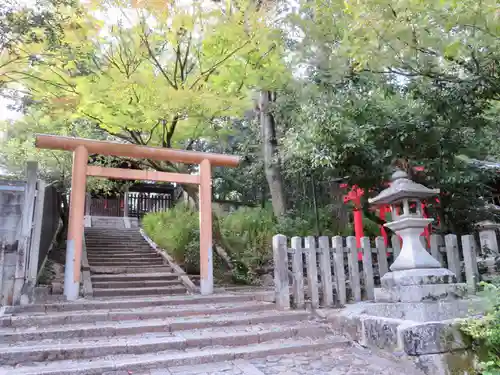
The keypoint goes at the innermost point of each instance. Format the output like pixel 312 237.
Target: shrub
pixel 485 331
pixel 176 231
pixel 248 234
pixel 245 233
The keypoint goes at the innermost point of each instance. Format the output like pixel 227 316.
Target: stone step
pixel 146 291
pixel 132 255
pixel 134 284
pixel 124 263
pixel 126 269
pixel 118 247
pixel 136 277
pixel 141 313
pixel 113 231
pixel 130 363
pixel 53 350
pixel 108 329
pixel 106 239
pixel 131 259
pixel 109 240
pixel 121 253
pixel 133 302
pixel 122 250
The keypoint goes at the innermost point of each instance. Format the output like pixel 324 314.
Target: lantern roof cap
pixel 402 187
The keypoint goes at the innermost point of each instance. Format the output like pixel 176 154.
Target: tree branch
pixel 206 74
pixel 155 60
pixel 171 130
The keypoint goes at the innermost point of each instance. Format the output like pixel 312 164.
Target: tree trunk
pixel 338 207
pixel 270 154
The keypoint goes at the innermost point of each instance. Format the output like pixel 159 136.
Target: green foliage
pixel 248 233
pixel 245 233
pixel 486 330
pixel 177 231
pixel 158 85
pixel 360 129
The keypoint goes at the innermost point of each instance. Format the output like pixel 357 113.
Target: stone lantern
pixel 415 275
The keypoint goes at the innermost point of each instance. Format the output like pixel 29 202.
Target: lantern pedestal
pixel 420 285
pixel 416 276
pixel 412 255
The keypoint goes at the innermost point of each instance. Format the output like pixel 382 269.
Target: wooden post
pixel 383 267
pixel 206 260
pixel 468 247
pixel 368 268
pixel 23 250
pixel 326 271
pixel 312 270
pixel 354 268
pixel 75 224
pixel 338 247
pixel 436 244
pixel 125 204
pixel 453 256
pixel 488 240
pixel 37 232
pixel 298 273
pixel 280 257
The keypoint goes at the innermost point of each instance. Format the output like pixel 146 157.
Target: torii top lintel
pixel 54 142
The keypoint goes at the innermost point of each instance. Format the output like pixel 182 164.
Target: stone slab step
pixel 131 260
pixel 106 329
pixel 54 350
pixel 136 258
pixel 115 243
pixel 121 253
pixel 124 256
pixel 128 363
pixel 141 313
pixel 118 246
pixel 105 249
pixel 131 303
pixel 124 263
pixel 136 277
pixel 135 284
pixel 136 269
pixel 145 291
pixel 112 232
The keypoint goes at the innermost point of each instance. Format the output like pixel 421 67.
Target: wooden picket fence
pixel 327 271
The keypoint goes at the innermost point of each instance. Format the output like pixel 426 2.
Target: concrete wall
pixel 11 208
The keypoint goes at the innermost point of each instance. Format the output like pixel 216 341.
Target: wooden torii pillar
pixel 81 149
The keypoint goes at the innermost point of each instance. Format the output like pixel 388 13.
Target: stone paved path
pixel 340 361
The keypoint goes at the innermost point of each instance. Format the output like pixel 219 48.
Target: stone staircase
pixel 123 264
pixel 132 335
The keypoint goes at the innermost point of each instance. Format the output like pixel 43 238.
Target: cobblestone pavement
pixel 339 361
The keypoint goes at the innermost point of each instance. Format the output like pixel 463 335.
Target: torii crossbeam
pixel 82 147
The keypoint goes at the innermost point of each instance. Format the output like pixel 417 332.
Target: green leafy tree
pixel 160 76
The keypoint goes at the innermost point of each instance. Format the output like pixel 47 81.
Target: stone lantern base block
pixel 421 293
pixel 426 333
pixel 423 276
pixel 420 285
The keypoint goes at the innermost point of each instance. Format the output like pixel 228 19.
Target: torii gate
pixel 82 147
